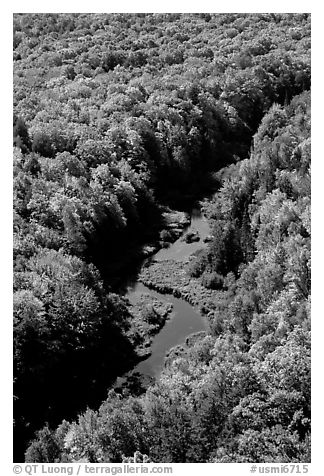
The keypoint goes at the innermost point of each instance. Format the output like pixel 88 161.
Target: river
pixel 185 320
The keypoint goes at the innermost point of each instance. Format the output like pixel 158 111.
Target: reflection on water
pixel 184 320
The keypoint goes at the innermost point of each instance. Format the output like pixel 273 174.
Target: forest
pixel 119 121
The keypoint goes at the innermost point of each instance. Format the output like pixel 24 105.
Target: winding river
pixel 185 320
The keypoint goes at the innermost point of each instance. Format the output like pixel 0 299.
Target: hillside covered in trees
pixel 118 119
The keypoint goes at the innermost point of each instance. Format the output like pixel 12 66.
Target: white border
pixel 317 196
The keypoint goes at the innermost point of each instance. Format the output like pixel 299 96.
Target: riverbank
pixel 174 223
pixel 171 277
pixel 149 316
pixel 159 236
pixel 167 304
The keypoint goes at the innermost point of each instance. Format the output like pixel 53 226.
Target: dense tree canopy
pixel 116 115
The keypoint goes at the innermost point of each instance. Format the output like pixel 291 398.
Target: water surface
pixel 180 250
pixel 185 320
